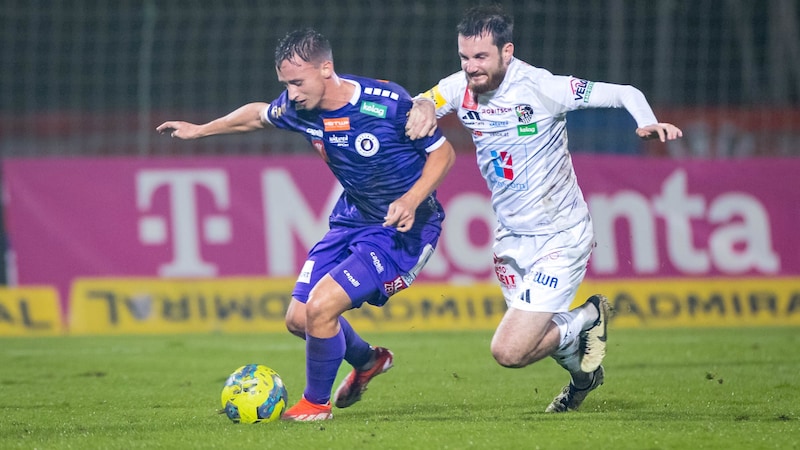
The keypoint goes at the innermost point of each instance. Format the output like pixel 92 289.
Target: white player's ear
pixel 508 52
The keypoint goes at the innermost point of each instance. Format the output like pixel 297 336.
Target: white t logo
pixel 216 228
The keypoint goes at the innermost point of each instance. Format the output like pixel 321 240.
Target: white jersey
pixel 520 132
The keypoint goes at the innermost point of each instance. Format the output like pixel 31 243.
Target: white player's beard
pixel 492 82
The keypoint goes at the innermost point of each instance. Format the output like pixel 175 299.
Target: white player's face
pixel 484 64
pixel 304 81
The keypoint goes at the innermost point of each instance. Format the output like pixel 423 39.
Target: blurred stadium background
pixel 92 77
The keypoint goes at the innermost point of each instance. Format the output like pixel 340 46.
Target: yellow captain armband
pixel 433 95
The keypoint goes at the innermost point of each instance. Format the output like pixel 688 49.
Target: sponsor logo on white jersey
pixel 581 89
pixel 545 280
pixel 527 130
pixel 495 110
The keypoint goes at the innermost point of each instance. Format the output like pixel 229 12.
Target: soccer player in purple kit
pixel 384 226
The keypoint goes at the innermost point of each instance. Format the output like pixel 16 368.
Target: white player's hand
pixel 421 119
pixel 663 131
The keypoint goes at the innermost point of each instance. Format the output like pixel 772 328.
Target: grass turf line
pixel 682 388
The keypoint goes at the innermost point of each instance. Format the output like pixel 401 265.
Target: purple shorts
pixel 371 262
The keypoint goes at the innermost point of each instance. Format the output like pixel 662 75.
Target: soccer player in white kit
pixel 517 116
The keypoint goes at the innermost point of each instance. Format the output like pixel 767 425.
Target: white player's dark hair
pixel 487 20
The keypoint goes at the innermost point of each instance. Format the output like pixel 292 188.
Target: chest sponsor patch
pixel 337 124
pixel 374 109
pixel 527 130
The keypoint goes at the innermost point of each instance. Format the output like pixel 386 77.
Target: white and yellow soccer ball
pixel 254 393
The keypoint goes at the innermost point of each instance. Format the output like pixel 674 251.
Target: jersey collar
pixel 356 91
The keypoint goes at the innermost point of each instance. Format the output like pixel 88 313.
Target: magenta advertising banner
pixel 209 217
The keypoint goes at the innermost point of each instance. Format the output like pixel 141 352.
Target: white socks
pixel 570 324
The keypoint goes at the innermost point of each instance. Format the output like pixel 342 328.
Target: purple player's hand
pixel 400 215
pixel 179 129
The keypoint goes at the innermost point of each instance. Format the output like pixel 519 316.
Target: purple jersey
pixel 365 145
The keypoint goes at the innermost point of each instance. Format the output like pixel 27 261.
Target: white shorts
pixel 542 272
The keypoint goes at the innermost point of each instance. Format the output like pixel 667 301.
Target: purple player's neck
pixel 337 94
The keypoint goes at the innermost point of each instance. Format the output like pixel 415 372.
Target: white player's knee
pixel 507 357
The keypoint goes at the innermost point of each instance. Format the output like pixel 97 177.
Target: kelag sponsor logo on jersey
pixel 581 89
pixel 527 130
pixel 373 109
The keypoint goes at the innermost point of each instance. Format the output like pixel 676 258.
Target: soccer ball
pixel 254 393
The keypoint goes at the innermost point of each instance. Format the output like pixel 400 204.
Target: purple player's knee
pixel 296 318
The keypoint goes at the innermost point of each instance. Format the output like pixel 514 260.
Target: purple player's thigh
pixel 324 256
pixel 360 280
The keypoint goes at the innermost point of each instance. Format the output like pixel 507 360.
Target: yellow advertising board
pixel 707 302
pixel 258 304
pixel 30 311
pixel 155 305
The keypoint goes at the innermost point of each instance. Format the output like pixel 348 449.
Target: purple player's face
pixel 304 81
pixel 484 64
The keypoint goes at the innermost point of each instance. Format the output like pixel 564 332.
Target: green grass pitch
pixel 720 388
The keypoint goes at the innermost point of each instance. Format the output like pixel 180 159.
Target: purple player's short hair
pixel 306 44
